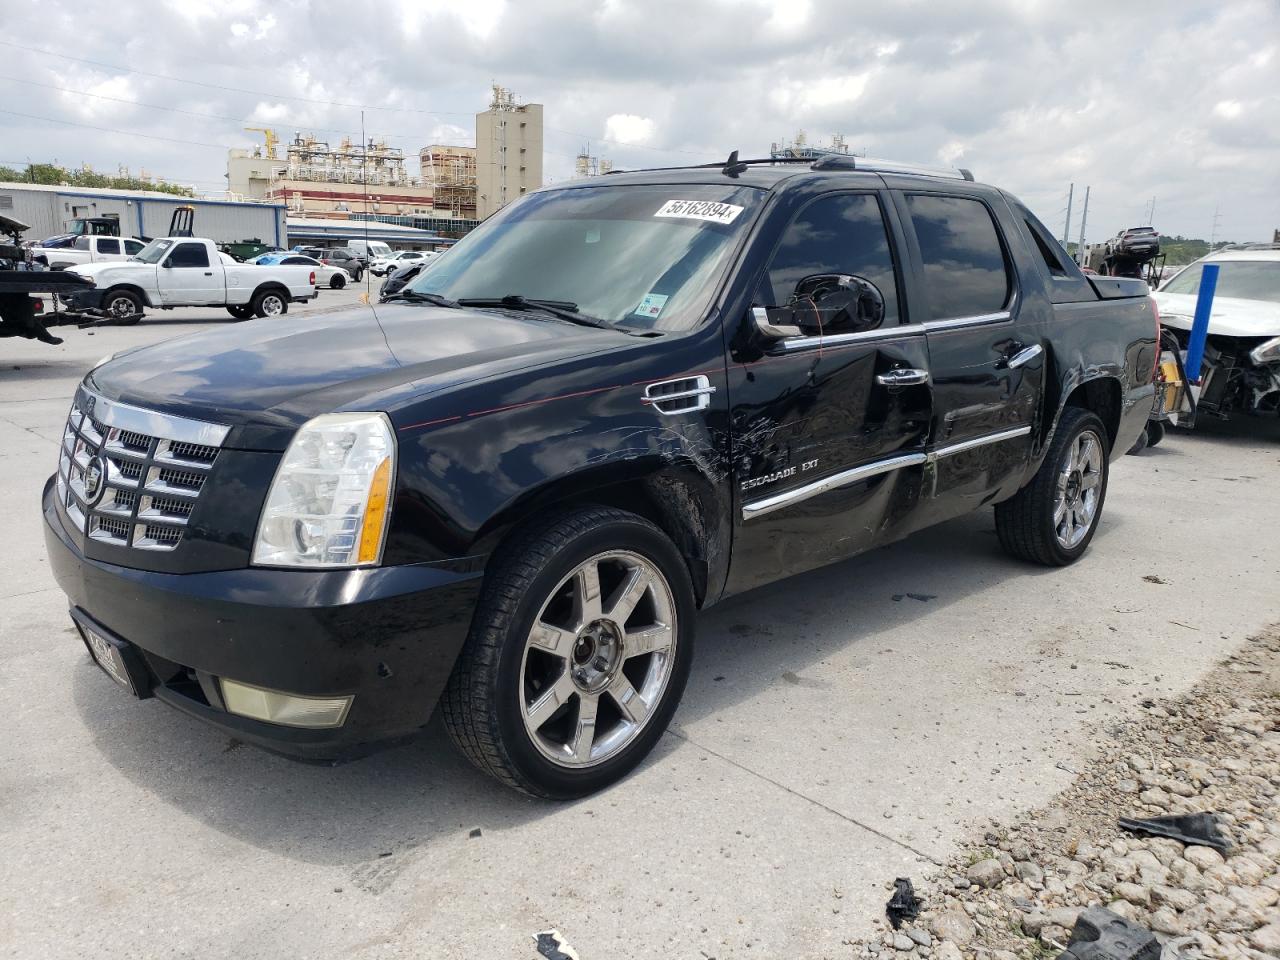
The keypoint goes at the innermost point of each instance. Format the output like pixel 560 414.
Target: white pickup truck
pixel 88 249
pixel 190 272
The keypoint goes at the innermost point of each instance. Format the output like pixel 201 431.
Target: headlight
pixel 1268 352
pixel 329 502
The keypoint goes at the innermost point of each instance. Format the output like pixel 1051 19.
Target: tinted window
pixel 189 255
pixel 964 267
pixel 132 247
pixel 843 233
pixel 108 245
pixel 307 261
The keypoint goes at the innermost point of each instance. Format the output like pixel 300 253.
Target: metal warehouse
pixel 142 213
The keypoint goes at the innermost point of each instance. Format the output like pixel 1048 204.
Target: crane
pixel 270 136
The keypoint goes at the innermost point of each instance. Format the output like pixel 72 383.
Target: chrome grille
pixel 132 477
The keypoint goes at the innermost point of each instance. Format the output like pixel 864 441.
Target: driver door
pixel 187 276
pixel 831 410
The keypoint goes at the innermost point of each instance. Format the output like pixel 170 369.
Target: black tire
pixel 1155 432
pixel 270 303
pixel 337 282
pixel 240 312
pixel 123 306
pixel 481 706
pixel 1025 523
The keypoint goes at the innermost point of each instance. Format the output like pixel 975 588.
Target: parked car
pixel 344 259
pixel 610 405
pixel 397 279
pixel 326 276
pixel 381 266
pixel 1241 367
pixel 366 251
pixel 87 249
pixel 188 272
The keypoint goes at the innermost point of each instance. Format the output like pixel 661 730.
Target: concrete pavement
pixel 836 733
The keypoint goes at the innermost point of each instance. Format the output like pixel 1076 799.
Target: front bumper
pixel 83 299
pixel 388 636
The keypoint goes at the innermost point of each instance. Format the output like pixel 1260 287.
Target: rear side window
pixel 189 255
pixel 964 264
pixel 108 245
pixel 842 233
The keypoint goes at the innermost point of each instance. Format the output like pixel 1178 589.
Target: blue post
pixel 1200 325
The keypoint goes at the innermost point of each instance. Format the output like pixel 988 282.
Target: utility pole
pixel 1066 227
pixel 1213 232
pixel 1084 216
pixel 1151 215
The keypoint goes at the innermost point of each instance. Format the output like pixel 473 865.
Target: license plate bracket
pixel 118 658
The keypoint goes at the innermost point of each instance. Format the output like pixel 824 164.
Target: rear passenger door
pixel 829 426
pixel 987 366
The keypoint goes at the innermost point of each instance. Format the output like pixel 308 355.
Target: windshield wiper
pixel 563 309
pixel 414 296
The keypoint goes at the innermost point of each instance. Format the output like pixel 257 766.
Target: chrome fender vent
pixel 684 395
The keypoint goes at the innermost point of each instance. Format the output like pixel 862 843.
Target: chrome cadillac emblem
pixel 93 477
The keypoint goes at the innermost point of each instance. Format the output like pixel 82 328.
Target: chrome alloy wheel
pixel 120 307
pixel 1075 502
pixel 598 659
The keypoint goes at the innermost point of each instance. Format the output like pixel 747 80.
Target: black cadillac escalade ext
pixel 510 490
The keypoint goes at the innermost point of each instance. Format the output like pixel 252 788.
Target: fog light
pixel 288 709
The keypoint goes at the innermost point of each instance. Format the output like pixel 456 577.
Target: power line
pixel 329 103
pixel 123 133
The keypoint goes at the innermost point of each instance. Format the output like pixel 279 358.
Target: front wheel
pixel 1052 519
pixel 578 654
pixel 240 312
pixel 124 307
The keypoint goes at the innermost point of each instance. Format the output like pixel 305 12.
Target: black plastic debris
pixel 904 904
pixel 922 597
pixel 1194 828
pixel 1100 934
pixel 552 946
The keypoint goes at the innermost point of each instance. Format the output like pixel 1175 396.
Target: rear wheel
pixel 1155 432
pixel 578 654
pixel 270 303
pixel 337 282
pixel 122 306
pixel 1052 519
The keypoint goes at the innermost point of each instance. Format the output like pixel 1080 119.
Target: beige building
pixel 249 174
pixel 450 171
pixel 508 151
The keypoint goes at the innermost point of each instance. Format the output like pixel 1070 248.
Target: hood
pixel 95 271
pixel 279 373
pixel 1231 316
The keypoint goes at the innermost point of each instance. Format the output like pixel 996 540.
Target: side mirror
pixel 775 323
pixel 839 302
pixel 167 265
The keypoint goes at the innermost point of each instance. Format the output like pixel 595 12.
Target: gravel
pixel 1016 893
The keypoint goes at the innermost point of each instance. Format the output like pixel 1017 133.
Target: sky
pixel 1176 101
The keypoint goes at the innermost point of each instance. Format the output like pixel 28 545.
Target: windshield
pixel 1245 279
pixel 641 256
pixel 154 251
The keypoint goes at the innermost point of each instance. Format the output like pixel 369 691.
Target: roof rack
pixel 734 166
pixel 851 162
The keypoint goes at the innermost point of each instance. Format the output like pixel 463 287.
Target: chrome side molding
pixel 787 498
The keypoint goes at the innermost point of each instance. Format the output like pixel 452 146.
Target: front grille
pixel 132 477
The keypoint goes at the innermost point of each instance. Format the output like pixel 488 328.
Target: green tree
pixel 48 173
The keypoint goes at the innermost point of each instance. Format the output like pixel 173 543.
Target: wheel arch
pixel 269 286
pixel 675 495
pixel 1102 395
pixel 133 288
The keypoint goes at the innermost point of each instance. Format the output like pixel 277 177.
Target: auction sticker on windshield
pixel 708 210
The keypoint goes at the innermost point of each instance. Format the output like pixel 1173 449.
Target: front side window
pixel 108 245
pixel 641 256
pixel 189 255
pixel 964 265
pixel 836 235
pixel 1245 279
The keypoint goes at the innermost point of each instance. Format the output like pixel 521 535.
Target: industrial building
pixel 508 151
pixel 142 213
pixel 328 232
pixel 451 173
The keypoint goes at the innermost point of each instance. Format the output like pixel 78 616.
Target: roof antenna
pixel 733 166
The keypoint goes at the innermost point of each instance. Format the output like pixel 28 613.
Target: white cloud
pixel 1230 109
pixel 628 128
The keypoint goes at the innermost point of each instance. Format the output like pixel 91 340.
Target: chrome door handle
pixel 902 377
pixel 1024 356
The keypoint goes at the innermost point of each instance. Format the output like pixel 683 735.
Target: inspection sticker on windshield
pixel 651 305
pixel 699 210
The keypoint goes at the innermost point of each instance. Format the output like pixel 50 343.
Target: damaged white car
pixel 1241 370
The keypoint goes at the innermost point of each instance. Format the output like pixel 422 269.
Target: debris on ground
pixel 922 597
pixel 1190 828
pixel 1020 891
pixel 552 946
pixel 904 904
pixel 1100 934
